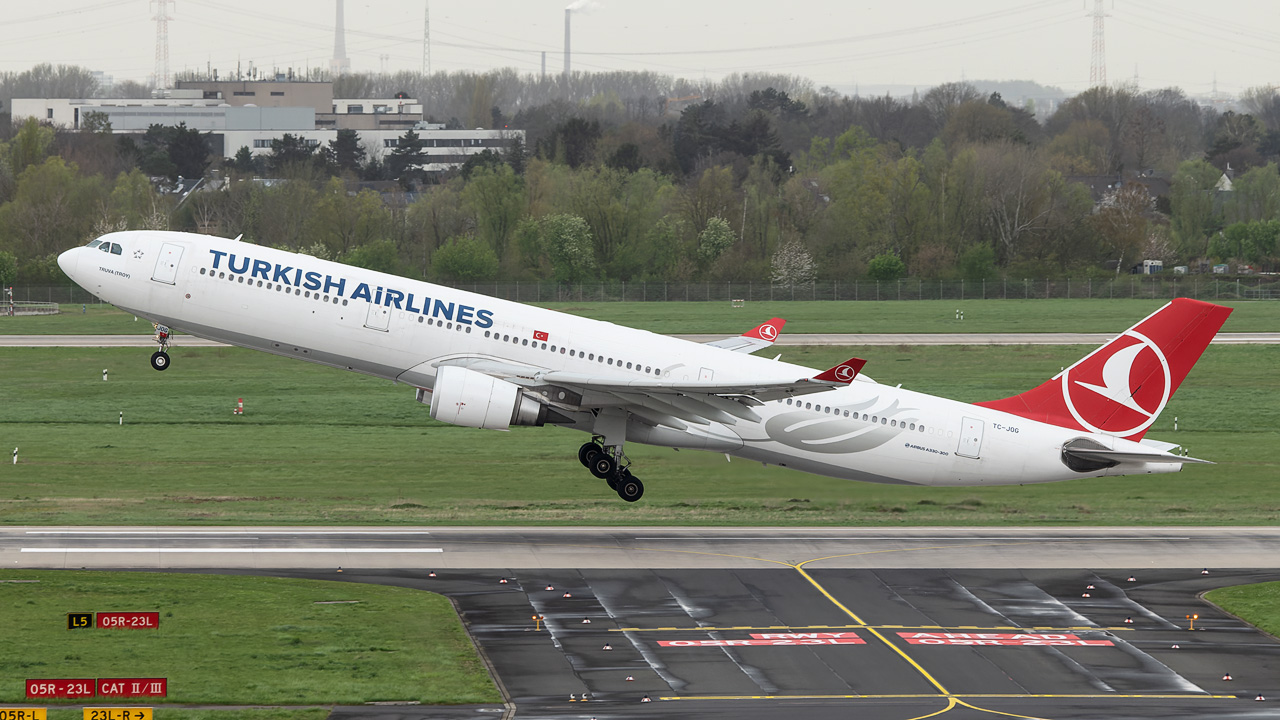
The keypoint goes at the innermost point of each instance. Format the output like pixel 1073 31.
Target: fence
pixel 1128 286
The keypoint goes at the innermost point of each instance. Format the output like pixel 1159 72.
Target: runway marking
pixel 961 696
pixel 1037 628
pixel 227 550
pixel 225 532
pixel 1050 538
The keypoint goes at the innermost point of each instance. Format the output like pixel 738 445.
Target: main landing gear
pixel 606 463
pixel 160 358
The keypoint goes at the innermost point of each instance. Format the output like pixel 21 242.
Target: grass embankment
pixel 1258 604
pixel 323 446
pixel 241 640
pixel 922 316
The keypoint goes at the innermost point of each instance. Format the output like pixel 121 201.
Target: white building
pixel 379 123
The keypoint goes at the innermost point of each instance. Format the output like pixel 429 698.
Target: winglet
pixel 843 373
pixel 767 331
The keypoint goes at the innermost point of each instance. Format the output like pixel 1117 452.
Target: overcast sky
pixel 833 42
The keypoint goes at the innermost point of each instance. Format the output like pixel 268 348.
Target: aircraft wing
pixel 1132 456
pixel 675 403
pixel 761 336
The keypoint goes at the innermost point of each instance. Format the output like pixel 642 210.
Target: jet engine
pixel 472 399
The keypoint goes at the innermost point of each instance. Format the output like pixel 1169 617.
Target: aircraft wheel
pixel 602 465
pixel 629 487
pixel 160 360
pixel 586 453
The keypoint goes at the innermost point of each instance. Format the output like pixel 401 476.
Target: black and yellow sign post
pixel 117 713
pixel 79 621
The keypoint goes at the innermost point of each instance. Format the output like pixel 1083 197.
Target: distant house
pixel 1100 186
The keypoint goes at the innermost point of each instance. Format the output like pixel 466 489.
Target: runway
pixel 816 623
pixel 180 341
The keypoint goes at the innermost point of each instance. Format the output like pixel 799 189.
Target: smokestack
pixel 544 64
pixel 339 65
pixel 566 43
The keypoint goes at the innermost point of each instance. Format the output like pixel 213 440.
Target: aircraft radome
pixel 482 362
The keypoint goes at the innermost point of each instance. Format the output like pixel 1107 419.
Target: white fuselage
pixel 399 329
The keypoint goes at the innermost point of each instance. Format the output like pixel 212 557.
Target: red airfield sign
pixel 1001 639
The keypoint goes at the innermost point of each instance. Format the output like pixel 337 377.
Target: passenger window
pixel 562 350
pixel 468 329
pixel 544 346
pixel 913 426
pixel 808 406
pixel 628 366
pixel 893 424
pixel 874 418
pixel 553 348
pixel 610 361
pixel 592 356
pixel 846 413
pixel 884 421
pixel 526 341
pixel 648 369
pixel 260 285
pixel 505 338
pixel 601 359
pixel 486 332
pixel 419 319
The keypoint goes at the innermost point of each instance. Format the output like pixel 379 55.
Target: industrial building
pixel 253 113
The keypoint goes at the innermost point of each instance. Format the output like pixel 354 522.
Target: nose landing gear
pixel 607 463
pixel 160 358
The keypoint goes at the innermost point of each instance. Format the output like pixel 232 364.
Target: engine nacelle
pixel 471 399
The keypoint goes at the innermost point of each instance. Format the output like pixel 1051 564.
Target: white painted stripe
pixel 226 550
pixel 227 532
pixel 957 538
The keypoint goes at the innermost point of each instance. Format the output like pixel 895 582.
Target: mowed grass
pixel 1258 604
pixel 923 316
pixel 241 640
pixel 318 445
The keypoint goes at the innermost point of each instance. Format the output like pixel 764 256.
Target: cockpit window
pixel 116 249
pixel 95 243
pixel 105 247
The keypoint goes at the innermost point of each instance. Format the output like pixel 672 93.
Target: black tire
pixel 160 360
pixel 629 487
pixel 585 453
pixel 603 466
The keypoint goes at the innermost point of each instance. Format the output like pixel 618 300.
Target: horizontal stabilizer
pixel 1131 456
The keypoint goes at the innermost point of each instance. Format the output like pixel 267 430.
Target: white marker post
pixel 104 374
pixel 122 417
pixel 15 456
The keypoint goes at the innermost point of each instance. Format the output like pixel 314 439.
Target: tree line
pixel 638 176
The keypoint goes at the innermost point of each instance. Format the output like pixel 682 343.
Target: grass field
pixel 1258 604
pixel 321 445
pixel 923 316
pixel 242 640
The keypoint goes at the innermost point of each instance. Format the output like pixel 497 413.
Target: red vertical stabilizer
pixel 1120 388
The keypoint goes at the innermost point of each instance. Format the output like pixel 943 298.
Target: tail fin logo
pixel 1126 394
pixel 844 373
pixel 769 332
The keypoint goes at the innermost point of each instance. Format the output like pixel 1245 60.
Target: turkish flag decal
pixel 539 335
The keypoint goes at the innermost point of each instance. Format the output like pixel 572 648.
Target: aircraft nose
pixel 67 261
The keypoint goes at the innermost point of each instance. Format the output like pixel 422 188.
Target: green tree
pixel 377 255
pixel 886 268
pixel 1255 195
pixel 52 210
pixel 495 199
pixel 8 269
pixel 349 221
pixel 289 151
pixel 1192 200
pixel 405 161
pixel 133 199
pixel 567 241
pixel 31 146
pixel 716 238
pixel 465 259
pixel 345 151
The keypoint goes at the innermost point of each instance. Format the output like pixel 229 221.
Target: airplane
pixel 482 362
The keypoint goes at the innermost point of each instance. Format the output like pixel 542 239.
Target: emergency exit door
pixel 379 317
pixel 167 264
pixel 970 438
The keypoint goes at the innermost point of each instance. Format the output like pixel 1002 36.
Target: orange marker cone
pixel 1204 571
pixel 567 595
pixel 1128 621
pixel 645 699
pixel 607 646
pixel 1175 647
pixel 239 407
pixel 586 621
pixel 629 678
pixel 1090 587
pixel 502 581
pixel 1133 579
pixel 1226 677
pixel 1259 698
pixel 431 574
pixel 550 588
pixel 1086 595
